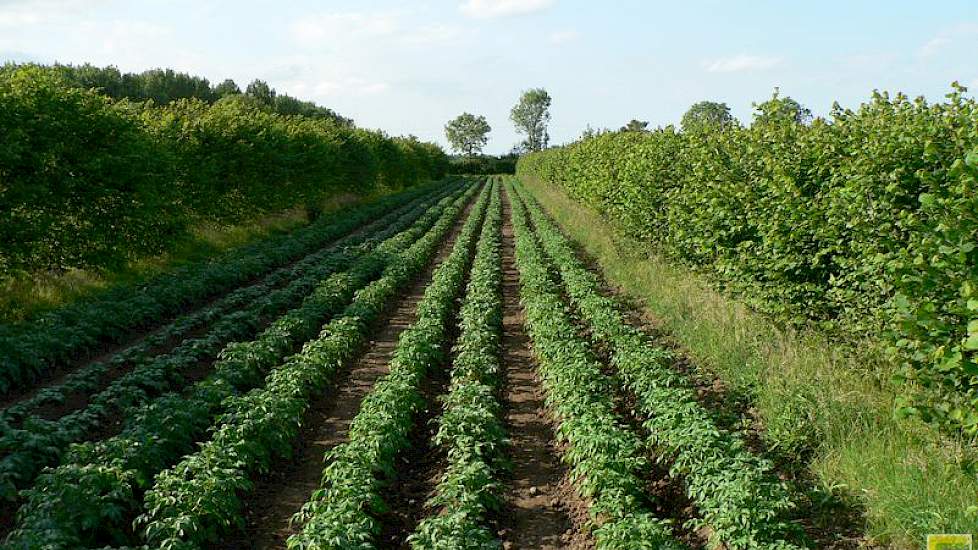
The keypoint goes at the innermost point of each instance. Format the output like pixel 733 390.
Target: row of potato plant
pixel 198 499
pixel 742 501
pixel 470 429
pixel 606 458
pixel 98 486
pixel 93 376
pixel 32 348
pixel 342 513
pixel 40 442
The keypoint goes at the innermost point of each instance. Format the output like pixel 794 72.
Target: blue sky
pixel 408 67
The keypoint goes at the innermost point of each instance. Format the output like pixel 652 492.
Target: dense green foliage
pixel 90 182
pixel 865 221
pixel 483 165
pixel 705 115
pixel 165 85
pixel 468 133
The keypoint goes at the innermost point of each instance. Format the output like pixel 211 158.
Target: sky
pixel 409 67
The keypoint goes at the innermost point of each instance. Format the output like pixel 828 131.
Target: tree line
pixel 467 134
pixel 89 181
pixel 163 86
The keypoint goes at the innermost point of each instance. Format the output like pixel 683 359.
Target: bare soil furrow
pixel 541 509
pixel 281 493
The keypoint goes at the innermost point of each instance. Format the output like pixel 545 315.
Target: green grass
pixel 826 404
pixel 27 294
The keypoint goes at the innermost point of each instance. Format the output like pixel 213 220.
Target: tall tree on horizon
pixel 781 109
pixel 707 114
pixel 635 125
pixel 468 133
pixel 261 91
pixel 226 88
pixel 531 116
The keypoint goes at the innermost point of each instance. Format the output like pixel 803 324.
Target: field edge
pixel 908 479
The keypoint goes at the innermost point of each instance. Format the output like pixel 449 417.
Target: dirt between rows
pixel 281 493
pixel 541 508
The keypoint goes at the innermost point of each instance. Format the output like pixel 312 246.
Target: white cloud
pixel 432 34
pixel 741 63
pixel 491 9
pixel 955 35
pixel 349 31
pixel 334 28
pixel 935 45
pixel 563 37
pixel 18 13
pixel 325 82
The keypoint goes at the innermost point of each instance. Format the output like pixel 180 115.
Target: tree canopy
pixel 164 86
pixel 781 109
pixel 531 116
pixel 261 92
pixel 707 114
pixel 635 126
pixel 468 133
pixel 226 88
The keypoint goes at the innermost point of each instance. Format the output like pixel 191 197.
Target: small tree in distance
pixel 468 133
pixel 707 114
pixel 261 91
pixel 530 116
pixel 635 126
pixel 781 109
pixel 226 88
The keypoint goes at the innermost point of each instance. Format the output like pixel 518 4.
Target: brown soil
pixel 280 494
pixel 419 469
pixel 540 509
pixel 422 464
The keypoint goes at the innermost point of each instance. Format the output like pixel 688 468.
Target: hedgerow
pixel 863 222
pixel 93 183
